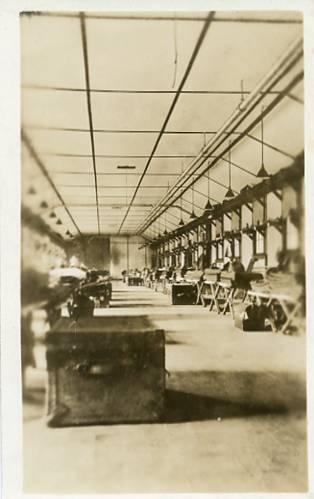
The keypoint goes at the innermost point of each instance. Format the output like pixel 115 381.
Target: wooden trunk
pixel 105 370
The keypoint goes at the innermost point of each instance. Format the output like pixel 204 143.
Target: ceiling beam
pixel 89 105
pixel 219 18
pixel 115 173
pixel 84 186
pixel 118 156
pixel 166 132
pixel 110 205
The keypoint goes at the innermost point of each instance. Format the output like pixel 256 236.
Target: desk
pixel 224 293
pixel 207 293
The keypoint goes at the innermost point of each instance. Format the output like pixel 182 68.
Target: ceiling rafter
pixel 155 132
pixel 152 17
pixel 119 156
pixel 152 92
pixel 89 105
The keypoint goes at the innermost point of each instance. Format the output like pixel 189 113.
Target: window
pixel 218 228
pixel 259 243
pixel 235 220
pixel 259 214
pixel 237 248
pixel 219 251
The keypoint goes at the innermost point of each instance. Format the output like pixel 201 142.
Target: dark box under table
pixel 105 370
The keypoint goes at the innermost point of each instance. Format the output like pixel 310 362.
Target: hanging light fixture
pixel 181 223
pixel 44 205
pixel 165 231
pixel 31 190
pixel 159 235
pixel 262 172
pixel 52 215
pixel 208 206
pixel 58 222
pixel 229 193
pixel 193 213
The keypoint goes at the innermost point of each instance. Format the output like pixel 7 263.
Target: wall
pixel 274 237
pixel 128 253
pixel 115 253
pixel 92 251
pixel 246 241
pixel 39 253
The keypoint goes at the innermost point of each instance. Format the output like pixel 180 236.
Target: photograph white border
pixel 10 148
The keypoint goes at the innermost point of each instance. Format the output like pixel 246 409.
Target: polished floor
pixel 235 418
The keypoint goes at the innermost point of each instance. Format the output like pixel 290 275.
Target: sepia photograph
pixel 163 337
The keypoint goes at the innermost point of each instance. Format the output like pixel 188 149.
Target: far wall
pixel 116 253
pixel 128 253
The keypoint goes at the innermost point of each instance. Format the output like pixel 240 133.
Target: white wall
pixel 274 236
pixel 128 253
pixel 246 242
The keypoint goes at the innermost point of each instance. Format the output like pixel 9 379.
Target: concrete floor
pixel 235 416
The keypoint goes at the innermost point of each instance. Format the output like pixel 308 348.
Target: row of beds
pixel 274 302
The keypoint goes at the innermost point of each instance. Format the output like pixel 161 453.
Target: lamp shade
pixel 262 173
pixel 193 215
pixel 208 206
pixel 229 194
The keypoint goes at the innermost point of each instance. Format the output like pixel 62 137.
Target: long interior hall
pixel 163 328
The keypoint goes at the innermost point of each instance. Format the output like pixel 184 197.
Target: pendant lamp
pixel 208 205
pixel 262 172
pixel 181 223
pixel 165 231
pixel 229 194
pixel 193 213
pixel 159 234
